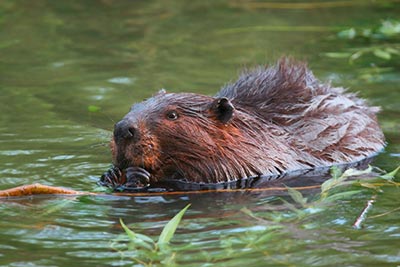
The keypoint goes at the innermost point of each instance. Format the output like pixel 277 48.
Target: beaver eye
pixel 172 115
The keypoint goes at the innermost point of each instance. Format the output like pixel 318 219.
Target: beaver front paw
pixel 112 178
pixel 136 178
pixel 133 179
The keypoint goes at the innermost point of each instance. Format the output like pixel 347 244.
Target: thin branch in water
pixel 39 189
pixel 361 218
pixel 385 213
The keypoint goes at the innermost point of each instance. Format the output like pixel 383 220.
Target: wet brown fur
pixel 284 120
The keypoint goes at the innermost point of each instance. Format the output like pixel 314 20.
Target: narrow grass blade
pixel 138 239
pixel 297 196
pixel 128 231
pixel 390 176
pixel 169 229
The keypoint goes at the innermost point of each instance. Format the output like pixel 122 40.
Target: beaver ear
pixel 222 109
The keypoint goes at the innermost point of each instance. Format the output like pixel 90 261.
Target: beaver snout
pixel 125 130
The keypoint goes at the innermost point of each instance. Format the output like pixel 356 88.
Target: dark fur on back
pixel 272 120
pixel 330 124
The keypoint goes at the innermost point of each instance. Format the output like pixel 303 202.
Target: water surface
pixel 60 57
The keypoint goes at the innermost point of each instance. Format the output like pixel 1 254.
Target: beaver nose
pixel 124 130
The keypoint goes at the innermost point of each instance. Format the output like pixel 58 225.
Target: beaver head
pixel 181 136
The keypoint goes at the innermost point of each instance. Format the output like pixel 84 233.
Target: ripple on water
pixel 19 152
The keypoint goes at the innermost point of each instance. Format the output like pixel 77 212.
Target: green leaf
pixel 299 212
pixel 382 54
pixel 335 172
pixel 390 28
pixel 340 195
pixel 138 240
pixel 128 231
pixel 297 196
pixel 390 176
pixel 355 172
pixel 144 238
pixel 248 213
pixel 356 55
pixel 170 228
pixel 366 33
pixel 347 34
pixel 265 237
pixel 338 54
pixel 392 50
pixel 327 185
pixel 370 186
pixel 339 178
pixel 93 108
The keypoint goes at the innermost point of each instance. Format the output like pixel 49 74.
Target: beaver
pixel 273 121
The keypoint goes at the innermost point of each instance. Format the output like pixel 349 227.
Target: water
pixel 60 57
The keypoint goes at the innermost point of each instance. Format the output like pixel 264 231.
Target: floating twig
pixel 38 189
pixel 361 218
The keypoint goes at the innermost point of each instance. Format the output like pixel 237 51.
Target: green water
pixel 57 58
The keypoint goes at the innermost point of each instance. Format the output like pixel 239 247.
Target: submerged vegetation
pixel 376 49
pixel 294 215
pixel 382 42
pixel 149 251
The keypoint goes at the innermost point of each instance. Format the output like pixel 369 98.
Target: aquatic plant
pixel 150 250
pixel 271 225
pixel 382 42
